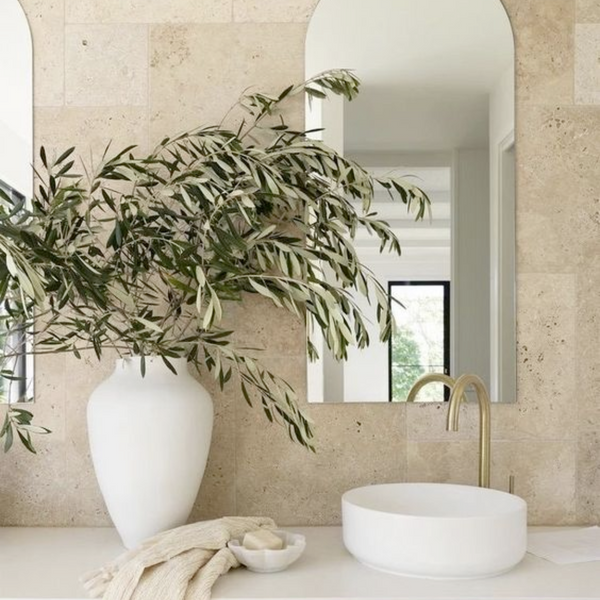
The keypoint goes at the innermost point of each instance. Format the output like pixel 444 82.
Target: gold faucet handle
pixel 511 484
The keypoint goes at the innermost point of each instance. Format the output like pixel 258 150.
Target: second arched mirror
pixel 436 103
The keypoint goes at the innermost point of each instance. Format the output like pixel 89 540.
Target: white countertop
pixel 41 563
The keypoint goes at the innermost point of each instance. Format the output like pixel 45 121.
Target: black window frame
pixel 445 285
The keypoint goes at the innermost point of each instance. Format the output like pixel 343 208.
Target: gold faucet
pixel 426 379
pixel 458 389
pixel 456 398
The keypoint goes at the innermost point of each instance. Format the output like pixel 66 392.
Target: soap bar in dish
pixel 262 539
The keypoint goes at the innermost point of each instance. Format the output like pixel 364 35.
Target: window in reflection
pixel 421 342
pixel 14 196
pixel 16 382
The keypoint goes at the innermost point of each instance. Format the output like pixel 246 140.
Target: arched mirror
pixel 437 105
pixel 16 181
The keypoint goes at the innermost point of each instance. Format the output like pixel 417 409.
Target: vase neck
pixel 155 365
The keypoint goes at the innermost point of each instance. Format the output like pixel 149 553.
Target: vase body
pixel 149 441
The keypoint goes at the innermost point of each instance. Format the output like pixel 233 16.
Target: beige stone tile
pixel 588 478
pixel 544 472
pixel 49 407
pixel 443 462
pixel 587 64
pixel 546 365
pixel 106 65
pixel 544 49
pixel 86 506
pixel 46 20
pixel 85 499
pixel 260 325
pixel 588 11
pixel 36 497
pixel 588 418
pixel 588 348
pixel 199 71
pixel 32 491
pixel 91 130
pixel 29 493
pixel 545 475
pixel 558 190
pixel 356 444
pixel 427 422
pixel 543 242
pixel 142 11
pixel 273 11
pixel 217 492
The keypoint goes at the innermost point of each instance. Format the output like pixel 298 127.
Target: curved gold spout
pixel 456 398
pixel 425 380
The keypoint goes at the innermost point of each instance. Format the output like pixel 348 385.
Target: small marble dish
pixel 270 561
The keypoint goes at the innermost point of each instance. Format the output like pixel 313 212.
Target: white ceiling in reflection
pixel 427 67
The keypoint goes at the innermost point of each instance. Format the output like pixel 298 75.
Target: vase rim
pixel 153 360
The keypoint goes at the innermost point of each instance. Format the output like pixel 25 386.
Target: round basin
pixel 435 530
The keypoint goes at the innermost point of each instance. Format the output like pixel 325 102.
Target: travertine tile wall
pixel 132 71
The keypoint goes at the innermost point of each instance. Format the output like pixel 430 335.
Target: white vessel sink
pixel 435 530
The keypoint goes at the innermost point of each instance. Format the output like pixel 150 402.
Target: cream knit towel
pixel 181 564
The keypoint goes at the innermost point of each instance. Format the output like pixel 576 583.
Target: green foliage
pixel 18 421
pixel 406 368
pixel 145 254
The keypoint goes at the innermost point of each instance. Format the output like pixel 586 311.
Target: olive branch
pixel 145 254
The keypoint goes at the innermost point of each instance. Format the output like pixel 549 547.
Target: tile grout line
pixel 235 435
pixel 148 83
pixel 235 403
pixel 64 54
pixel 577 433
pixel 574 51
pixel 576 491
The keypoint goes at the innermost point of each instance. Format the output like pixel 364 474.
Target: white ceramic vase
pixel 149 440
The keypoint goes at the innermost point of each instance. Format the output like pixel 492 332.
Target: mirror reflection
pixel 16 182
pixel 436 107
